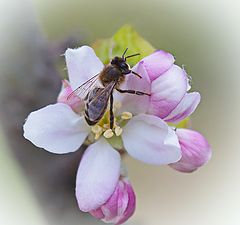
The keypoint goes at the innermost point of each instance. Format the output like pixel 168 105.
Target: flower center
pixel 103 126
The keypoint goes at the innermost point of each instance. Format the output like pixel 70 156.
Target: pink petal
pixel 167 91
pixel 120 206
pixel 131 203
pixel 116 205
pixel 195 151
pixel 97 175
pixel 97 213
pixel 56 128
pixel 130 102
pixel 157 63
pixel 185 108
pixel 147 138
pixel 82 64
pixel 74 102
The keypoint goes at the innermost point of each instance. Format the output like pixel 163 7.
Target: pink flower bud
pixel 74 102
pixel 120 206
pixel 195 151
pixel 157 63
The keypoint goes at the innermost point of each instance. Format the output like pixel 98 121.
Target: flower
pixel 195 148
pixel 195 151
pixel 120 206
pixel 140 122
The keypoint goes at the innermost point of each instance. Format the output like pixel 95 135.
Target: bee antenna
pixel 129 56
pixel 136 74
pixel 124 53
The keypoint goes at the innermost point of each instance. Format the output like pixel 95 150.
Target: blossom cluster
pixel 144 127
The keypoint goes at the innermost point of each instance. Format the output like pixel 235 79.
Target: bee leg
pixel 132 92
pixel 111 112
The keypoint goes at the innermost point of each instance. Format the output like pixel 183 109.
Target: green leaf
pixel 102 48
pixel 182 124
pixel 125 37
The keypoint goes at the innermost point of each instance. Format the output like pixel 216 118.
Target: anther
pixel 108 133
pixel 118 130
pixel 97 129
pixel 105 126
pixel 126 115
pixel 97 136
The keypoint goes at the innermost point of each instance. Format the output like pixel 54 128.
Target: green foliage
pixel 125 37
pixel 182 124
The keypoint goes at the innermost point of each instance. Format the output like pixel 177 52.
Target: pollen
pixel 105 126
pixel 126 115
pixel 97 129
pixel 97 136
pixel 118 130
pixel 108 133
pixel 102 128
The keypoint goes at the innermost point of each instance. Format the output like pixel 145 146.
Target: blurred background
pixel 37 187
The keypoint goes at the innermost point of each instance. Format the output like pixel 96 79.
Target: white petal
pixel 148 138
pixel 82 64
pixel 189 79
pixel 56 128
pixel 171 144
pixel 97 175
pixel 185 108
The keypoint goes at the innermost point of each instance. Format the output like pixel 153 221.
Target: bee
pixel 98 90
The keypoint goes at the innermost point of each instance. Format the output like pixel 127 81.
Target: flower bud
pixel 195 151
pixel 74 101
pixel 120 206
pixel 157 63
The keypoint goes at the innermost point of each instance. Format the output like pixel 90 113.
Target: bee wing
pixel 104 92
pixel 85 88
pixel 98 101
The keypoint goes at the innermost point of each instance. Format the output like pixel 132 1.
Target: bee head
pixel 121 64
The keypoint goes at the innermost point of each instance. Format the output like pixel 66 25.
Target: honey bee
pixel 98 90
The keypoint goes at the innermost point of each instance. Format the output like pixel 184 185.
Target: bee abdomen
pixel 90 122
pixel 94 112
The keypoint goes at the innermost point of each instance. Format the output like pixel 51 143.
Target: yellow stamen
pixel 108 133
pixel 118 131
pixel 97 136
pixel 97 129
pixel 126 115
pixel 106 126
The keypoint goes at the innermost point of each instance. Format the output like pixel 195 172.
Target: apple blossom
pixel 120 206
pixel 140 127
pixel 195 151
